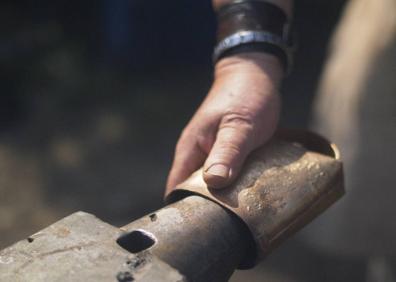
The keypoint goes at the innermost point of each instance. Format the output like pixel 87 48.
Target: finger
pixel 188 158
pixel 235 140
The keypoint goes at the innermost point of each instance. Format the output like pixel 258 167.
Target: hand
pixel 239 114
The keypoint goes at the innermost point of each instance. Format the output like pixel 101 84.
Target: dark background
pixel 94 95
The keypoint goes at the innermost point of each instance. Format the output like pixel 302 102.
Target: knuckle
pixel 196 137
pixel 186 137
pixel 241 119
pixel 230 148
pixel 225 150
pixel 182 144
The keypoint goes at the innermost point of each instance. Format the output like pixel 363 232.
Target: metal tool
pixel 203 234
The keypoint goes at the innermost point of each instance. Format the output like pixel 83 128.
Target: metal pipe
pixel 198 237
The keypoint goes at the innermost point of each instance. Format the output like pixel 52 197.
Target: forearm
pixel 285 5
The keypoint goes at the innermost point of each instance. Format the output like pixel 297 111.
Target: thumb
pixel 234 141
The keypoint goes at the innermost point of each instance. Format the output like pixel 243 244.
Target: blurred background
pixel 94 95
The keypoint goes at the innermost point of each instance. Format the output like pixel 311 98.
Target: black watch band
pixel 250 15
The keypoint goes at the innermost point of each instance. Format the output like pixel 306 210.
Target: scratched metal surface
pixel 282 187
pixel 77 248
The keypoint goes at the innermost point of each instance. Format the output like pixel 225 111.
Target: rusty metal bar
pixel 198 237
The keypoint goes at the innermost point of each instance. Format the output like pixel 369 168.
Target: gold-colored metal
pixel 282 186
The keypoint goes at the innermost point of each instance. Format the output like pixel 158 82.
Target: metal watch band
pixel 243 38
pixel 253 26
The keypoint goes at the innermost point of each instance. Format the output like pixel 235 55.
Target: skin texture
pixel 239 114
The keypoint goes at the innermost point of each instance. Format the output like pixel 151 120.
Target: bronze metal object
pixel 282 187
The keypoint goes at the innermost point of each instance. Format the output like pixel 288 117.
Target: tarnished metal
pixel 194 239
pixel 203 236
pixel 198 237
pixel 282 187
pixel 80 248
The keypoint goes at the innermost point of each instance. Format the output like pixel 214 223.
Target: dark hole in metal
pixel 153 217
pixel 30 239
pixel 136 241
pixel 125 277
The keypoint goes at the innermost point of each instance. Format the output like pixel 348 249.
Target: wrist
pixel 260 65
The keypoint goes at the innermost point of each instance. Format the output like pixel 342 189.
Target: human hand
pixel 239 114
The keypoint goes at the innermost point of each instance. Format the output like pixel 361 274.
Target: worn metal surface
pixel 194 239
pixel 82 248
pixel 198 237
pixel 282 187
